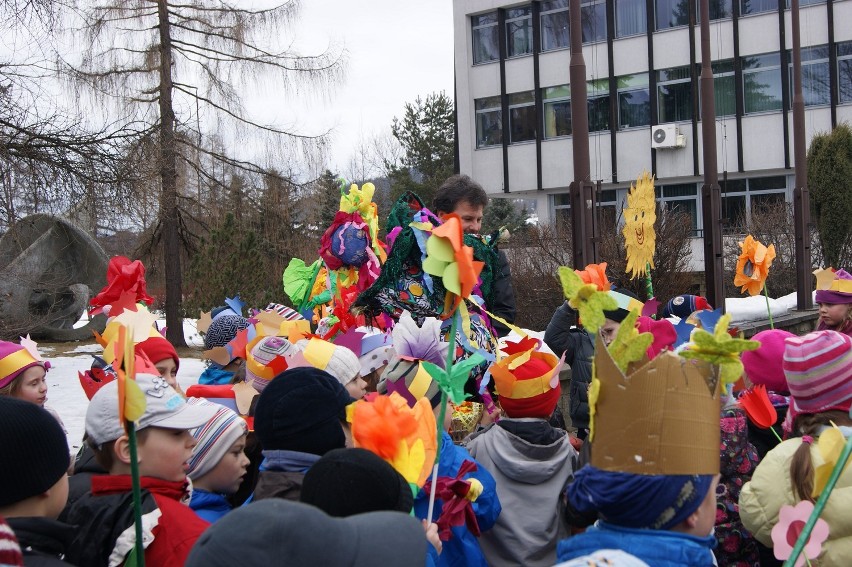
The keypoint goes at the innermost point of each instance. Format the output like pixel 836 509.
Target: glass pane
pixel 762 90
pixel 598 113
pixel 718 9
pixel 724 95
pixel 844 48
pixel 733 186
pixel 767 183
pixel 680 190
pixel 594 22
pixel 687 206
pixel 630 17
pixel 607 196
pixel 607 216
pixel 489 129
pixel 626 82
pixel 634 108
pixel 844 79
pixel 526 97
pixel 557 119
pixel 766 201
pixel 671 13
pixel 553 5
pixel 562 91
pixel 487 103
pixel 562 200
pixel 673 74
pixel 554 31
pixel 757 6
pixel 485 45
pixel 674 102
pixel 522 124
pixel 519 37
pixel 816 88
pixel 483 19
pixel 519 12
pixel 733 211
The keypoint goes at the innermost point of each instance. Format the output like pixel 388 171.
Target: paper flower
pixel 131 400
pixel 629 344
pixel 758 408
pixel 753 265
pixel 595 274
pixel 458 496
pixel 448 258
pixel 639 218
pixel 721 349
pixel 791 520
pixel 586 299
pixel 830 445
pixel 122 276
pixel 452 382
pixel 422 343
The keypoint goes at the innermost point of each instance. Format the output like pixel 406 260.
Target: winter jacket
pixel 531 463
pixel 769 490
pixel 212 375
pixel 282 473
pixel 80 483
pixel 659 548
pixel 563 335
pixel 209 506
pixel 503 299
pixel 105 530
pixel 463 548
pixel 43 541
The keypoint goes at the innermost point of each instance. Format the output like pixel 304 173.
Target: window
pixel 844 71
pixel 671 13
pixel 742 197
pixel 680 198
pixel 724 88
pixel 554 25
pixel 757 6
pixel 607 209
pixel 557 111
pixel 762 82
pixel 518 31
pixel 719 9
pixel 522 117
pixel 631 18
pixel 816 88
pixel 803 3
pixel 485 38
pixel 489 122
pixel 593 14
pixel 634 101
pixel 674 95
pixel 598 101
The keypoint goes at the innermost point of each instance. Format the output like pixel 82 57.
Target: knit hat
pixel 164 407
pixel 275 531
pixel 376 349
pixel 33 450
pixel 407 377
pixel 626 300
pixel 527 388
pixel 224 328
pixel 10 551
pixel 338 361
pixel 765 365
pixel 157 349
pixel 345 482
pixel 818 368
pixel 836 289
pixel 663 332
pixel 214 438
pixel 301 410
pixel 263 362
pixel 684 305
pixel 15 359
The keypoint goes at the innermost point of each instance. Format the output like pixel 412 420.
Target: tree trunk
pixel 168 190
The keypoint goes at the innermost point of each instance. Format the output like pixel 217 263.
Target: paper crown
pixel 833 280
pixel 525 353
pixel 661 418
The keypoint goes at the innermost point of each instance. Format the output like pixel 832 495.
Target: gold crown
pixel 662 418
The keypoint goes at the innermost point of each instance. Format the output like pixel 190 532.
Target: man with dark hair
pixel 465 197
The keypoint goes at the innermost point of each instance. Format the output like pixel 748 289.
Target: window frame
pixel 526 105
pixel 843 51
pixel 618 34
pixel 744 14
pixel 497 111
pixel 662 83
pixel 663 201
pixel 549 13
pixel 746 72
pixel 546 100
pixel 646 87
pixel 475 27
pixel 514 20
pixel 809 61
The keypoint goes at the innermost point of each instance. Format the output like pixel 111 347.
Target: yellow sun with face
pixel 639 218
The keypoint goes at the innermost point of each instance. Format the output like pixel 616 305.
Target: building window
pixel 844 71
pixel 674 95
pixel 557 111
pixel 631 18
pixel 757 6
pixel 489 122
pixel 724 88
pixel 519 31
pixel 554 25
pixel 742 197
pixel 486 45
pixel 803 3
pixel 671 13
pixel 762 82
pixel 598 101
pixel 816 88
pixel 634 101
pixel 607 209
pixel 680 198
pixel 593 14
pixel 522 117
pixel 719 9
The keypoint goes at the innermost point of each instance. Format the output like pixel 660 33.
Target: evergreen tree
pixel 829 172
pixel 510 214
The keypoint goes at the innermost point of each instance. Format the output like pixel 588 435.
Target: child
pixel 33 483
pixel 23 375
pixel 218 462
pixel 376 352
pixel 164 357
pixel 223 329
pixel 835 304
pixel 682 306
pixel 104 517
pixel 338 361
pixel 818 367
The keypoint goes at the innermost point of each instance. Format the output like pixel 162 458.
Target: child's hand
pixel 489 418
pixel 432 535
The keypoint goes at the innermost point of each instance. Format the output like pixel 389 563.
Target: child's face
pixel 163 453
pixel 834 314
pixel 168 370
pixel 33 386
pixel 357 388
pixel 226 476
pixel 609 330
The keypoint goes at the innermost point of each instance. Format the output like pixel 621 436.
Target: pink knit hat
pixel 14 359
pixel 764 365
pixel 818 367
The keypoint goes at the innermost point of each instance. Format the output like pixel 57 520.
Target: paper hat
pixel 833 286
pixel 16 358
pixel 626 301
pixel 660 419
pixel 266 358
pixel 407 377
pixel 527 379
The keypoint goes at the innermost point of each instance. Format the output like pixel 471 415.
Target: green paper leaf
pixel 720 349
pixel 440 249
pixel 586 299
pixel 453 383
pixel 629 344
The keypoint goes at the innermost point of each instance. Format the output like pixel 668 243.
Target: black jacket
pixel 503 302
pixel 43 541
pixel 564 335
pixel 80 483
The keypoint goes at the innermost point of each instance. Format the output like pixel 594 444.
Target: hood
pixel 523 461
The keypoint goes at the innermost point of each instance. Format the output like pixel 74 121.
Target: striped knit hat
pixel 214 438
pixel 10 551
pixel 818 367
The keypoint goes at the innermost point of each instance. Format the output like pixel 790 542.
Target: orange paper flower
pixel 448 258
pixel 595 274
pixel 758 408
pixel 753 265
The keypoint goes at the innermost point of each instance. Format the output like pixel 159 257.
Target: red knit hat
pixel 157 349
pixel 527 380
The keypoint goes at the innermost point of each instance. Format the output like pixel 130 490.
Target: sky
pixel 397 50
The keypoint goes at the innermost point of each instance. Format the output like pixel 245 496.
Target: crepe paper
pixel 595 274
pixel 650 308
pixel 458 495
pixel 31 347
pixel 721 349
pixel 125 302
pixel 452 383
pixel 450 259
pixel 755 402
pixel 298 280
pixel 509 325
pixel 236 304
pixel 318 353
pixel 238 343
pixel 204 322
pixel 219 355
pixel 122 276
pixel 526 344
pixel 791 521
pixel 629 345
pixel 753 265
pixel 684 332
pixel 586 299
pixel 830 445
pixel 709 319
pixel 824 277
pixel 639 218
pixel 423 343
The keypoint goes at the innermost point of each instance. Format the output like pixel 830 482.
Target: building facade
pixel 643 62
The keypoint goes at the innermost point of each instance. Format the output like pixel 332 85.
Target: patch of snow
pixel 750 308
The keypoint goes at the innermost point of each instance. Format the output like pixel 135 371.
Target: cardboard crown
pixel 661 419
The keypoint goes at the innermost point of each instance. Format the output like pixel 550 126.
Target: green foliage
pixel 329 197
pixel 829 175
pixel 511 214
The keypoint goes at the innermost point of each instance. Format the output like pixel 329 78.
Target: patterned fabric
pixel 223 329
pixel 736 547
pixel 10 551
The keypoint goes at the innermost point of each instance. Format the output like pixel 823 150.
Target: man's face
pixel 471 216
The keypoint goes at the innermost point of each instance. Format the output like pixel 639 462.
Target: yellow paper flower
pixel 753 265
pixel 639 218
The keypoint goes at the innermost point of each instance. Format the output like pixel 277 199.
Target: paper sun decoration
pixel 753 265
pixel 586 299
pixel 450 259
pixel 791 520
pixel 639 218
pixel 721 349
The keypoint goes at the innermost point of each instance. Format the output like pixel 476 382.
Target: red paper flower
pixel 758 408
pixel 458 496
pixel 122 276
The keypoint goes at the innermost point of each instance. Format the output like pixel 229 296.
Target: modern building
pixel 643 63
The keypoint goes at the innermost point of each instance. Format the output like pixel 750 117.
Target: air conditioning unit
pixel 666 136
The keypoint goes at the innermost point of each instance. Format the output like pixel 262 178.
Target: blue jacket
pixel 463 548
pixel 212 375
pixel 660 548
pixel 208 505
